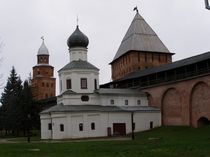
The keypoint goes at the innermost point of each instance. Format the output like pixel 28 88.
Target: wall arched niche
pixel 199 103
pixel 171 108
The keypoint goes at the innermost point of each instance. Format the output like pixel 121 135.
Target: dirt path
pixel 3 141
pixel 12 140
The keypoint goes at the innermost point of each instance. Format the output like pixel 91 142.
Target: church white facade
pixel 84 110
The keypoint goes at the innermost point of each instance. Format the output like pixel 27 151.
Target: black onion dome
pixel 77 39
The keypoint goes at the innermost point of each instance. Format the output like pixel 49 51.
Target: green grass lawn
pixel 161 142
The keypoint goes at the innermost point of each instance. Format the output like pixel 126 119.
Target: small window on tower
pixel 95 82
pixel 83 83
pixel 42 84
pixel 68 84
pixel 47 84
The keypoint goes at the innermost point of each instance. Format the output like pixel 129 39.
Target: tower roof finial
pixel 136 9
pixel 42 38
pixel 43 49
pixel 77 20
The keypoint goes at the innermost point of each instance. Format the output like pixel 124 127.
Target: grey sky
pixel 183 26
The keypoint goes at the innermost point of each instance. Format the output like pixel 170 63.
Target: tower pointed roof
pixel 140 37
pixel 43 49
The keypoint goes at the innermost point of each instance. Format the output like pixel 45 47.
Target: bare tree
pixel 207 4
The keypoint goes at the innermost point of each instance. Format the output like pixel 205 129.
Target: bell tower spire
pixel 43 81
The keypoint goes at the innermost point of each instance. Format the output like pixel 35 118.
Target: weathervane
pixel 207 4
pixel 42 38
pixel 136 9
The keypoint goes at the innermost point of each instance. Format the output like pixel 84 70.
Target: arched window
pixel 61 127
pixel 80 126
pixel 49 126
pixel 92 126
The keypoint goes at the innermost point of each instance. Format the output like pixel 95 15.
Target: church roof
pixel 77 39
pixel 140 37
pixel 43 49
pixel 79 64
pixel 99 108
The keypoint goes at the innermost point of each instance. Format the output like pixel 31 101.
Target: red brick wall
pixel 43 83
pixel 184 102
pixel 134 60
pixel 46 71
pixel 43 88
pixel 200 103
pixel 171 107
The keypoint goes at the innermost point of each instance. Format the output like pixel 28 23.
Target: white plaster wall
pixel 78 53
pixel 45 133
pixel 76 99
pixel 75 76
pixel 104 100
pixel 120 100
pixel 102 121
pixel 57 134
pixel 142 120
pixel 109 118
pixel 86 119
pixel 93 118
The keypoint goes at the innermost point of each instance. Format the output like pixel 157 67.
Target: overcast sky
pixel 182 25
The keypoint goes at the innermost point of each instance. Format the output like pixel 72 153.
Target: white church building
pixel 84 110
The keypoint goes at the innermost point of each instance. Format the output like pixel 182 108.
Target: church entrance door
pixel 119 129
